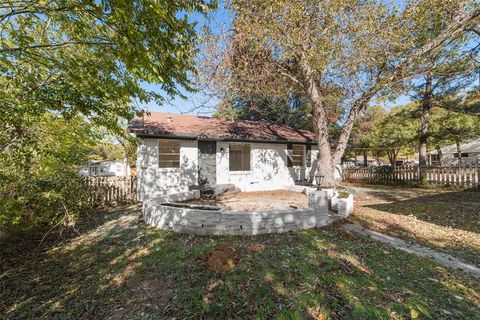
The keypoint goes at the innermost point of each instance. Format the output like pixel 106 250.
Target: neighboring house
pixel 360 161
pixel 104 168
pixel 470 154
pixel 179 152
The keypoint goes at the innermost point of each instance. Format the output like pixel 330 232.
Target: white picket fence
pixel 467 176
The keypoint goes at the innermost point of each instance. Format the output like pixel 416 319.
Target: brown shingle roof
pixel 189 126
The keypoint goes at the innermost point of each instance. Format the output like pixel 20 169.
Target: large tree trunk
pixel 328 158
pixel 365 158
pixel 424 122
pixel 325 165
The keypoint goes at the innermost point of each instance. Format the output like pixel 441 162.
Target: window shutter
pixel 308 150
pixel 289 155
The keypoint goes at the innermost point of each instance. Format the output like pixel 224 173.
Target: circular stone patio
pixel 214 220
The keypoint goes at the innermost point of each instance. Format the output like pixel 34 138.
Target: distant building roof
pixel 470 146
pixel 158 124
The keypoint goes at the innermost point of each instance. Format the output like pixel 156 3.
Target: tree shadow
pixel 460 210
pixel 123 269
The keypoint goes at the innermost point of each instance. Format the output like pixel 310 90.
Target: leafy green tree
pixel 361 139
pixel 394 132
pixel 360 48
pixel 447 72
pixel 91 57
pixel 67 66
pixel 39 184
pixel 293 111
pixel 466 104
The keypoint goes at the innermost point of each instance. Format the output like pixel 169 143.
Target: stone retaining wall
pixel 222 222
pixel 205 220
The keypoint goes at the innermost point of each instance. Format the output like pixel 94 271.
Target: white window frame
pixel 241 145
pixel 302 147
pixel 169 164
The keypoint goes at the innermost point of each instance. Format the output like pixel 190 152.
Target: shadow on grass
pixel 460 210
pixel 120 268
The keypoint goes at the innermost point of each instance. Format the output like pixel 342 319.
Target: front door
pixel 207 165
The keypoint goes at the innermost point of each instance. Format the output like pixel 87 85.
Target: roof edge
pixel 180 136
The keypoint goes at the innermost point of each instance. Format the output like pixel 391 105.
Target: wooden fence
pixel 466 176
pixel 111 190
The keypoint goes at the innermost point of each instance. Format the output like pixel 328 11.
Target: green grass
pixel 448 220
pixel 118 267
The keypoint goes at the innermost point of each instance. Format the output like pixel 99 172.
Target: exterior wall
pixel 154 181
pixel 449 159
pixel 268 168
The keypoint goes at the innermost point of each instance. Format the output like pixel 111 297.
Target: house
pixel 178 153
pixel 104 168
pixel 470 154
pixel 360 161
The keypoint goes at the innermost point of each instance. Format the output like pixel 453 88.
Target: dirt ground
pixel 265 201
pixel 259 201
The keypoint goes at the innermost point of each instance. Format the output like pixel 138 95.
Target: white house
pixel 178 153
pixel 469 153
pixel 104 168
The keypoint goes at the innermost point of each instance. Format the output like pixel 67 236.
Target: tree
pixel 360 48
pixel 446 73
pixel 293 111
pixel 39 184
pixel 68 68
pixel 397 132
pixel 362 136
pixel 91 57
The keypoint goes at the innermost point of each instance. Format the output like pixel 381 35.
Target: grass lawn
pixel 448 221
pixel 120 268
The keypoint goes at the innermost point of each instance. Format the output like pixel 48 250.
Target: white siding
pixel 154 181
pixel 449 159
pixel 268 168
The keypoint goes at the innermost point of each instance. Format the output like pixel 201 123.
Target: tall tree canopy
pixel 357 48
pixel 68 67
pixel 91 57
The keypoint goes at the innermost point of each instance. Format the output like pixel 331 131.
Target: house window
pixel 169 154
pixel 298 155
pixel 93 171
pixel 434 158
pixel 239 156
pixel 464 155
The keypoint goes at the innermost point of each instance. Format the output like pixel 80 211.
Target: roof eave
pixel 184 136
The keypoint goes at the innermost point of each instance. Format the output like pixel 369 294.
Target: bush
pixel 34 204
pixel 39 185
